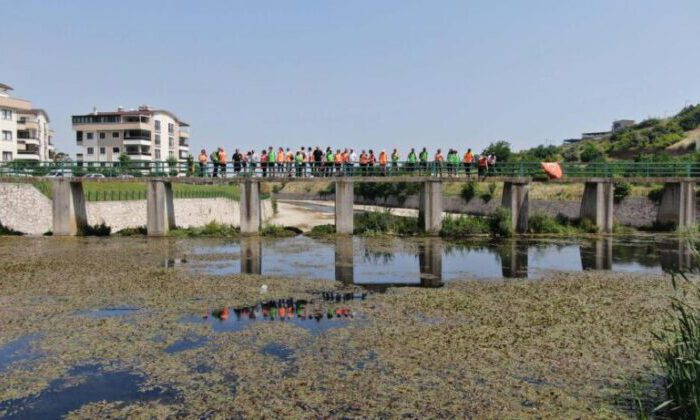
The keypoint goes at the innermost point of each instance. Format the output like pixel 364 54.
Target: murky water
pixel 380 263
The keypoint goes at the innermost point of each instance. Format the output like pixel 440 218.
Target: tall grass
pixel 455 227
pixel 679 353
pixel 370 223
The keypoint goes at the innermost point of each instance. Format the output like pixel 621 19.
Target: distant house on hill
pixel 617 125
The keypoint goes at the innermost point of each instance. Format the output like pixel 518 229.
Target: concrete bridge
pixel 70 218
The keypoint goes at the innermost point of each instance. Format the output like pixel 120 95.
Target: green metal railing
pixel 621 169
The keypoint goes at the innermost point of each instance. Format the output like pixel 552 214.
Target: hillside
pixel 651 139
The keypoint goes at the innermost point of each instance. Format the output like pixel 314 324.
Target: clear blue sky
pixel 358 73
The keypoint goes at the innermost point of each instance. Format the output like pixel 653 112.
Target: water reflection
pixel 379 263
pixel 251 255
pixel 514 258
pixel 597 254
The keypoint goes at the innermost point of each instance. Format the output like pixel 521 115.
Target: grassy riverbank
pixel 564 346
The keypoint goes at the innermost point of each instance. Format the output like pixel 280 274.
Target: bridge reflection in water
pixel 428 262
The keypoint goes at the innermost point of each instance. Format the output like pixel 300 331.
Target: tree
pixel 590 152
pixel 501 149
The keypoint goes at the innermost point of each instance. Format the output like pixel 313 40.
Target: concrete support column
pixel 514 259
pixel 160 211
pixel 69 213
pixel 250 207
pixel 344 259
pixel 597 204
pixel 516 198
pixel 678 204
pixel 430 207
pixel 344 200
pixel 597 256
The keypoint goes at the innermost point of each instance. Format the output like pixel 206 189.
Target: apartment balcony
pixel 183 154
pixel 29 153
pixel 184 134
pixel 137 138
pixel 183 144
pixel 27 124
pixel 27 139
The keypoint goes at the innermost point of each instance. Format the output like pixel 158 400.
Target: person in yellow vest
pixel 222 162
pixel 203 160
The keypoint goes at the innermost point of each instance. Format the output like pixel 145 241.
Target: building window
pixel 157 125
pixel 171 128
pixel 157 156
pixel 7 135
pixel 6 114
pixel 115 134
pixel 89 136
pixel 90 150
pixel 157 139
pixel 102 135
pixel 78 136
pixel 6 156
pixel 115 150
pixel 103 150
pixel 171 142
pixel 171 154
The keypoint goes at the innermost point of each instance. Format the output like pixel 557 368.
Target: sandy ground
pixel 305 214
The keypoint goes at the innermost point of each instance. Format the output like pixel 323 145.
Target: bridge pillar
pixel 597 204
pixel 344 199
pixel 160 211
pixel 68 205
pixel 430 207
pixel 250 207
pixel 678 204
pixel 597 256
pixel 516 199
pixel 514 259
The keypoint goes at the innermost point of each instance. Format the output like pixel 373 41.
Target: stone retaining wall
pixel 633 211
pixel 26 209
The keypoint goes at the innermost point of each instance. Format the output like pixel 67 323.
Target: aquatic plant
pixel 369 223
pixel 210 229
pixel 100 229
pixel 277 231
pixel 321 230
pixel 137 231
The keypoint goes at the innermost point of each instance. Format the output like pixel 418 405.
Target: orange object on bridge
pixel 553 170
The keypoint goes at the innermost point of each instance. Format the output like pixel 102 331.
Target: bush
pixel 469 191
pixel 500 223
pixel 621 191
pixel 141 230
pixel 455 227
pixel 369 223
pixel 400 190
pixel 277 231
pixel 487 196
pixel 322 230
pixel 210 229
pixel 100 229
pixel 656 194
pixel 6 231
pixel 328 190
pixel 541 223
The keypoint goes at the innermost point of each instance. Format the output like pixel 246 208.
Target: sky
pixel 363 74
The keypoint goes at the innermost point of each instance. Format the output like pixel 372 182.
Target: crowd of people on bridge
pixel 316 162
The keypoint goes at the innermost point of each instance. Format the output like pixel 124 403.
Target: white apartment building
pixel 144 134
pixel 24 131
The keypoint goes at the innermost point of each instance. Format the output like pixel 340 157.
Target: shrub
pixel 368 223
pixel 141 230
pixel 322 230
pixel 469 191
pixel 278 231
pixel 487 196
pixel 100 229
pixel 541 223
pixel 210 229
pixel 621 191
pixel 6 231
pixel 328 190
pixel 656 194
pixel 500 223
pixel 455 227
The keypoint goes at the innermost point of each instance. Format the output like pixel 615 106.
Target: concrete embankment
pixel 26 209
pixel 632 211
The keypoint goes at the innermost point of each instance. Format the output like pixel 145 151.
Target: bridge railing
pixel 130 169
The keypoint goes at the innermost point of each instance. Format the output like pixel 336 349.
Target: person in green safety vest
pixel 395 161
pixel 214 157
pixel 423 158
pixel 271 160
pixel 412 159
pixel 299 162
pixel 329 161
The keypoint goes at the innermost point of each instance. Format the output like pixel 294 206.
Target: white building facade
pixel 143 134
pixel 24 131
